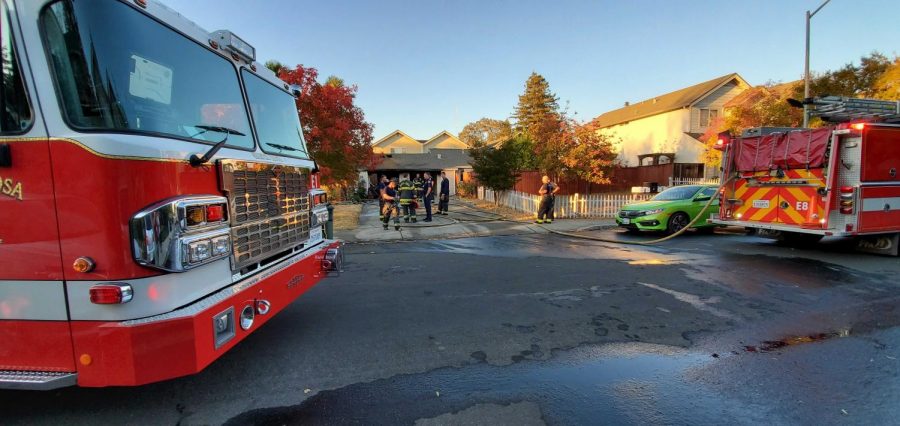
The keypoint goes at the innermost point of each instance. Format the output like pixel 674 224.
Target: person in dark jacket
pixel 444 195
pixel 548 196
pixel 428 195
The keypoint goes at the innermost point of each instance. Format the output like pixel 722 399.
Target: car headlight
pixel 654 211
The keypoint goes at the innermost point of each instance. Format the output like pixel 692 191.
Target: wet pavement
pixel 544 329
pixel 464 220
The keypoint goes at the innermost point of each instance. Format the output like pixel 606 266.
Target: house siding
pixel 716 100
pixel 407 144
pixel 656 134
pixel 445 142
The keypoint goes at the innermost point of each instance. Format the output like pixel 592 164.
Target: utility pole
pixel 809 16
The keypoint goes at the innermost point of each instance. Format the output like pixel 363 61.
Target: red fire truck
pixel 157 200
pixel 804 184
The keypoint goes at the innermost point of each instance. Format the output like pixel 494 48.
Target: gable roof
pixel 442 133
pixel 664 103
pixel 392 134
pixel 754 94
pixel 437 159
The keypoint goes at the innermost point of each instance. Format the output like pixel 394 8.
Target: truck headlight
pixel 181 233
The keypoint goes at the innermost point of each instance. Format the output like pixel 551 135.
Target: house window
pixel 707 116
pixel 396 150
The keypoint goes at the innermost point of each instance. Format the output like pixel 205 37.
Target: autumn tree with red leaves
pixel 337 134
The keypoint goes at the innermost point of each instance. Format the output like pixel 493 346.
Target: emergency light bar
pixel 235 45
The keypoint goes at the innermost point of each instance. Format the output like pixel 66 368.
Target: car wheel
pixel 677 222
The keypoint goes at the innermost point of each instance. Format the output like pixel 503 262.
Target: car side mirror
pixel 699 199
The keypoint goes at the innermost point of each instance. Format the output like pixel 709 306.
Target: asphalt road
pixel 537 328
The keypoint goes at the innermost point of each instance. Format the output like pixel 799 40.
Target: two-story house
pixel 666 128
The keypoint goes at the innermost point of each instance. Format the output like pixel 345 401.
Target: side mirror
pixel 699 199
pixel 295 90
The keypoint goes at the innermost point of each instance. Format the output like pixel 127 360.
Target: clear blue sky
pixel 424 66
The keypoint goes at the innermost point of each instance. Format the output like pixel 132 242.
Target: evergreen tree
pixel 536 106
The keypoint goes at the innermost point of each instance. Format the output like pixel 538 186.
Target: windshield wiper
pixel 197 161
pixel 282 147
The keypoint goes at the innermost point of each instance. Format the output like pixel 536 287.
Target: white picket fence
pixel 693 181
pixel 567 206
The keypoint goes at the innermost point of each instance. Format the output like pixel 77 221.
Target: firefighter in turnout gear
pixel 390 197
pixel 419 183
pixel 547 192
pixel 407 198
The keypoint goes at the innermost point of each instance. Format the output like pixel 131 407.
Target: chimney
pixel 627 103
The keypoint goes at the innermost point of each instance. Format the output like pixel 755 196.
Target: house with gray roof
pixel 667 128
pixel 403 155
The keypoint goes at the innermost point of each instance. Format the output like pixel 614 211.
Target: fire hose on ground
pixel 643 243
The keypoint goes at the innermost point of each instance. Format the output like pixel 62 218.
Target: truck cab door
pixel 33 313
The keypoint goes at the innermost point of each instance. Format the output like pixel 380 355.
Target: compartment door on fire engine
pixel 801 204
pixel 33 315
pixel 758 202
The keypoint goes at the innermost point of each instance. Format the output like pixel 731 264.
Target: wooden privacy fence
pixel 567 206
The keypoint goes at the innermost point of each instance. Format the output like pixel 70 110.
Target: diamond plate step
pixel 36 380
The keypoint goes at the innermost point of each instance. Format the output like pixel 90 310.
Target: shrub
pixel 466 189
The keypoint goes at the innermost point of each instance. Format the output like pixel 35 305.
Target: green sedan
pixel 670 210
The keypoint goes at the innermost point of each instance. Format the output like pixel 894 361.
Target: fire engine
pixel 805 184
pixel 157 200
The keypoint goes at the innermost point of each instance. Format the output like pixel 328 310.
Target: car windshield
pixel 676 193
pixel 275 117
pixel 118 70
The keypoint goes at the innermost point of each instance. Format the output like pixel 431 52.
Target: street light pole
pixel 809 16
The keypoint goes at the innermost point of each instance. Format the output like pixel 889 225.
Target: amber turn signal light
pixel 195 215
pixel 83 265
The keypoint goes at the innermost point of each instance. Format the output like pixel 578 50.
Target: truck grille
pixel 268 206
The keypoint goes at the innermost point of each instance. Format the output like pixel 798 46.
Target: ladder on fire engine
pixel 836 109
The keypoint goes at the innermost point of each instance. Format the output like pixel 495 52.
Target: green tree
pixel 496 167
pixel 486 131
pixel 275 66
pixel 539 119
pixel 334 81
pixel 537 105
pixel 851 80
pixel 888 85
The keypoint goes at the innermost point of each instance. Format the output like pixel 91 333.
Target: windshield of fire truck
pixel 118 70
pixel 275 117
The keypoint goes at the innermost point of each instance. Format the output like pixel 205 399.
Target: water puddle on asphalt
pixel 775 345
pixel 608 382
